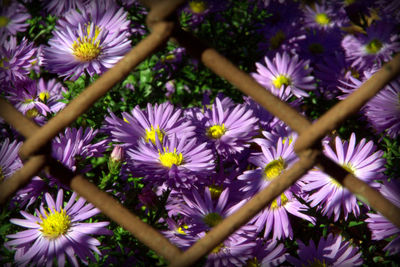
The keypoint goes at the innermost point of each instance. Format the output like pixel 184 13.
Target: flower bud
pixel 116 159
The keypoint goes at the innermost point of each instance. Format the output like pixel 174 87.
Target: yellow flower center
pixel 168 57
pixel 1 174
pixel 322 19
pixel 281 80
pixel 55 224
pixel 168 159
pixel 198 7
pixel 348 167
pixel 215 191
pixel 275 205
pixel 151 135
pixel 274 168
pixel 2 60
pixel 44 96
pixel 4 21
pixel 373 46
pixel 180 229
pixel 276 40
pixel 316 48
pixel 87 48
pixel 32 113
pixel 253 262
pixel 212 219
pixel 216 131
pixel 217 248
pixel 125 120
pixel 315 263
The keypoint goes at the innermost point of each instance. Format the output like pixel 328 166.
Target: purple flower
pixel 158 121
pixel 227 126
pixel 73 146
pixel 287 73
pixel 322 16
pixel 383 110
pixel 179 162
pixel 57 232
pixel 380 227
pixel 36 99
pixel 60 7
pixel 360 159
pixel 200 214
pixel 15 60
pixel 374 47
pixel 92 47
pixel 199 9
pixel 267 254
pixel 270 163
pixel 13 17
pixel 332 251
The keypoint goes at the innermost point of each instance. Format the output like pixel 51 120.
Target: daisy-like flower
pixel 158 121
pixel 199 9
pixel 285 72
pixel 380 227
pixel 332 251
pixel 267 253
pixel 360 159
pixel 179 162
pixel 103 13
pixel 57 232
pixel 377 46
pixel 59 8
pixel 383 110
pixel 229 128
pixel 15 59
pixel 200 214
pixel 73 146
pixel 10 163
pixel 91 47
pixel 44 96
pixel 270 163
pixel 322 17
pixel 13 18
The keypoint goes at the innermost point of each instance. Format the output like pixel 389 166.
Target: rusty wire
pixel 307 145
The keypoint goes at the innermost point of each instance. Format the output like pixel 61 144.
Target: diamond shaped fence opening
pixel 36 153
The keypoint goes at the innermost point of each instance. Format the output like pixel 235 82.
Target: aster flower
pixel 374 47
pixel 270 163
pixel 199 9
pixel 59 8
pixel 200 214
pixel 283 37
pixel 103 13
pixel 15 60
pixel 383 110
pixel 57 232
pixel 360 159
pixel 320 45
pixel 13 17
pixel 91 47
pixel 285 72
pixel 9 164
pixel 178 162
pixel 74 145
pixel 267 253
pixel 322 17
pixel 380 227
pixel 332 251
pixel 228 127
pixel 158 121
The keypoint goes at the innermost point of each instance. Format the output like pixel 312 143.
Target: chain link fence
pixel 36 151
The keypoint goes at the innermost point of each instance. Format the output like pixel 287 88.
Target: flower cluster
pixel 186 159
